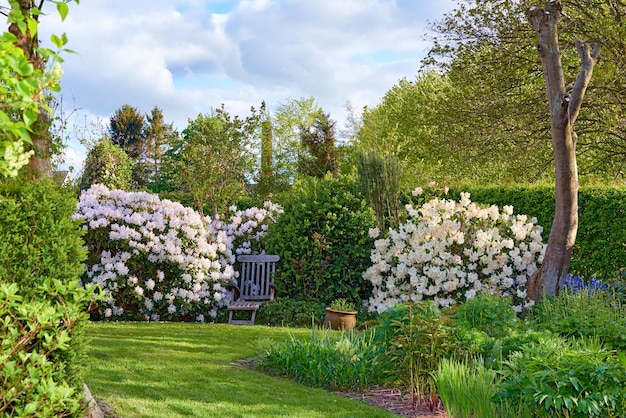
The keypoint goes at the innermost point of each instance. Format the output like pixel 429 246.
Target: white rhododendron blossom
pixel 153 259
pixel 246 228
pixel 450 251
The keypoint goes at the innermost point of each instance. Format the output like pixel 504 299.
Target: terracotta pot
pixel 340 320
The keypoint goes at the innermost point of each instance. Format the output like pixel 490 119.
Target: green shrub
pixel 38 238
pixel 43 306
pixel 583 314
pixel 107 164
pixel 322 240
pixel 419 339
pixel 350 362
pixel 38 338
pixel 489 313
pixel 599 250
pixel 291 313
pixel 557 377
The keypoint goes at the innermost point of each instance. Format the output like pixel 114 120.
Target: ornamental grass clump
pixel 153 259
pixel 449 251
pixel 348 362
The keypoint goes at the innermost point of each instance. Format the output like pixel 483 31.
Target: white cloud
pixel 187 56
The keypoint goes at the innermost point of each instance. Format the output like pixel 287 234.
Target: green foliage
pixel 41 255
pixel 584 314
pixel 565 378
pixel 487 50
pixel 38 238
pixel 318 143
pixel 287 312
pixel 342 304
pixel 107 164
pixel 350 362
pixel 598 251
pixel 488 313
pixel 213 157
pixel 420 338
pixel 37 335
pixel 466 389
pixel 322 240
pixel 24 85
pixel 380 182
pixel 126 127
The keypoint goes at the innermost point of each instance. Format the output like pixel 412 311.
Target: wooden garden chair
pixel 254 286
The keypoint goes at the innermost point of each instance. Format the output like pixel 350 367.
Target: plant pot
pixel 340 320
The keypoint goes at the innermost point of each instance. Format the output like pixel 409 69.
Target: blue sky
pixel 188 56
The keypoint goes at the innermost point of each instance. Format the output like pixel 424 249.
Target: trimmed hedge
pixel 43 306
pixel 600 244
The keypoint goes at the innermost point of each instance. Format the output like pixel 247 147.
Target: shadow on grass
pixel 186 370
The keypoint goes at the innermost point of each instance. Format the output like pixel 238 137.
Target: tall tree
pixel 266 181
pixel 320 152
pixel 564 108
pixel 214 157
pixel 23 18
pixel 287 122
pixel 127 130
pixel 158 136
pixel 485 48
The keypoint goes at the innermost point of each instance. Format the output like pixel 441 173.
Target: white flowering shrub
pixel 153 259
pixel 246 229
pixel 450 251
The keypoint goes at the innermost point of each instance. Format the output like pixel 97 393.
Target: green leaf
pixel 63 9
pixel 29 117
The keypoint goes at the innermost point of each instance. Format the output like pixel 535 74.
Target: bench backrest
pixel 255 277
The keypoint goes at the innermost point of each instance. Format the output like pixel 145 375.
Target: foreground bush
pixel 451 251
pixel 322 241
pixel 38 340
pixel 153 259
pixel 565 378
pixel 42 304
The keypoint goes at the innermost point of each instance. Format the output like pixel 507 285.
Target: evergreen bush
pixel 322 240
pixel 43 307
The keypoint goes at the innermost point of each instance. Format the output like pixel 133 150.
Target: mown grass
pixel 189 370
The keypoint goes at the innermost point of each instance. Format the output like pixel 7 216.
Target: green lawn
pixel 186 370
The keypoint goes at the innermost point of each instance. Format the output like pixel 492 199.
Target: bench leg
pixel 230 317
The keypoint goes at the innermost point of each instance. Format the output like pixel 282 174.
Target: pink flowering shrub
pixel 246 229
pixel 450 251
pixel 153 259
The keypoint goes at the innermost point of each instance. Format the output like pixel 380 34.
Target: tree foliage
pixel 24 117
pixel 496 117
pixel 214 157
pixel 107 164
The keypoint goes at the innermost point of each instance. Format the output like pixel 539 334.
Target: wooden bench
pixel 255 285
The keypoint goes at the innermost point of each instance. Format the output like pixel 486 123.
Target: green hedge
pixel 600 249
pixel 42 304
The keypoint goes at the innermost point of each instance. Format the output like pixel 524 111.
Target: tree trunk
pixel 39 164
pixel 564 109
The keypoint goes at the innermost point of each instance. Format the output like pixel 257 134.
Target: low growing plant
pixel 419 339
pixel 565 378
pixel 489 313
pixel 342 304
pixel 583 313
pixel 287 312
pixel 348 362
